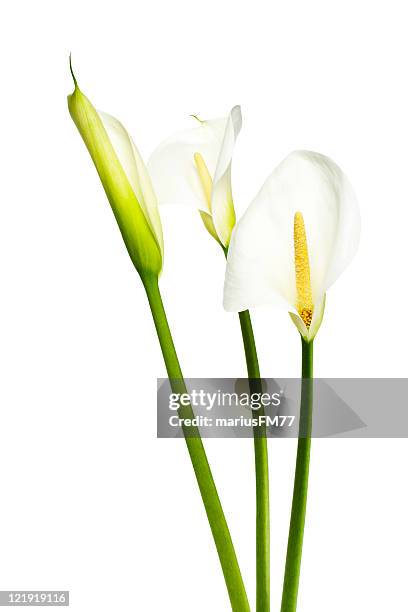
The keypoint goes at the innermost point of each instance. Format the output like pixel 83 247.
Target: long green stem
pixel 298 514
pixel 261 470
pixel 209 494
pixel 261 473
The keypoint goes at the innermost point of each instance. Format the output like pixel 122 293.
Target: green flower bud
pixel 125 180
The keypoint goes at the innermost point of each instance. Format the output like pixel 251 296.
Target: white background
pixel 91 501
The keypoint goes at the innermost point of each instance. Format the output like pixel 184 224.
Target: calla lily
pixel 194 167
pixel 296 238
pixel 126 182
pixel 128 187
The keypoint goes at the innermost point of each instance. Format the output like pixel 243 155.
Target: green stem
pixel 298 514
pixel 209 494
pixel 261 470
pixel 261 473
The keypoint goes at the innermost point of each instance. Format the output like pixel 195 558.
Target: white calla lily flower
pixel 296 238
pixel 194 167
pixel 125 179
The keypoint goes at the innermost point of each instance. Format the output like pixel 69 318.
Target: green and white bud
pixel 125 180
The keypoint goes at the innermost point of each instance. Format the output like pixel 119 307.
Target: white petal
pixel 261 255
pixel 209 225
pixel 222 206
pixel 172 168
pixel 136 172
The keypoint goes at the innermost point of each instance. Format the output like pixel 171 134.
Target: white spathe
pixel 136 172
pixel 175 176
pixel 261 259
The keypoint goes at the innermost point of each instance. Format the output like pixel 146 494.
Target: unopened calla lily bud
pixel 194 167
pixel 296 238
pixel 125 180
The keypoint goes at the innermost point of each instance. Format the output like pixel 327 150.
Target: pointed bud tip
pixel 197 118
pixel 72 72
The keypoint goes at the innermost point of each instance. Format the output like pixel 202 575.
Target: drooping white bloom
pixel 194 167
pixel 296 238
pixel 126 182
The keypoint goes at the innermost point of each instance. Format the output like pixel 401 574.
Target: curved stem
pixel 261 473
pixel 208 490
pixel 298 514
